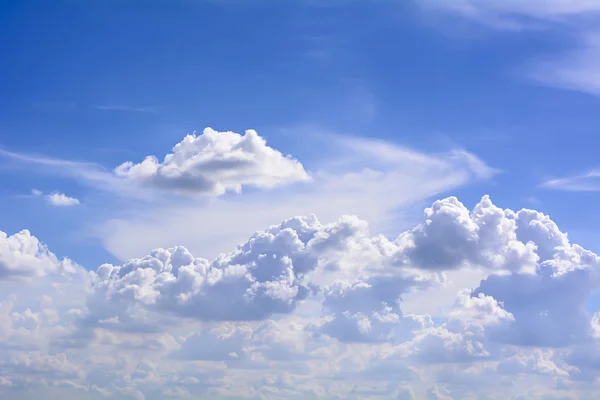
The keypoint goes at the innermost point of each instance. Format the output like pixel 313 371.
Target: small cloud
pixel 61 200
pixel 56 199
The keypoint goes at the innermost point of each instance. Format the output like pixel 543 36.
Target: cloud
pixel 587 182
pixel 576 69
pixel 307 306
pixel 61 200
pixel 212 163
pixel 22 256
pixel 88 173
pixel 516 14
pixel 302 308
pixel 216 162
pixel 371 178
pixel 57 199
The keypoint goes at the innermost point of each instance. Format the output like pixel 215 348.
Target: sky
pixel 303 199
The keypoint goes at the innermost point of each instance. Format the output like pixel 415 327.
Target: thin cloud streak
pixel 90 174
pixel 587 182
pixel 573 70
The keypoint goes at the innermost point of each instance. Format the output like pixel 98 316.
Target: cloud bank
pixel 306 309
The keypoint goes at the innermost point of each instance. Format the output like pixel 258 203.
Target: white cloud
pixel 587 182
pixel 370 178
pixel 576 69
pixel 22 256
pixel 216 162
pixel 61 200
pixel 57 199
pixel 517 14
pixel 211 163
pixel 174 323
pixel 481 303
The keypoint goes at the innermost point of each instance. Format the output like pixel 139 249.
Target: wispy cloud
pixel 578 69
pixel 575 69
pixel 90 174
pixel 517 14
pixel 586 182
pixel 124 108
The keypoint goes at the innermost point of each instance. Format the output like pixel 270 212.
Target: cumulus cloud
pixel 216 162
pixel 23 256
pixel 304 307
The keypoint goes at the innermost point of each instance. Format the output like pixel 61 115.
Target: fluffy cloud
pixel 22 256
pixel 57 199
pixel 452 236
pixel 216 162
pixel 302 308
pixel 61 200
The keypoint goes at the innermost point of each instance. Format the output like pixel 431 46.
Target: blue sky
pixel 458 98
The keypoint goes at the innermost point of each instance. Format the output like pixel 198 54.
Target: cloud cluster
pixel 302 308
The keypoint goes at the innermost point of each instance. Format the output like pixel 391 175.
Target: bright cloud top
pixel 289 312
pixel 216 162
